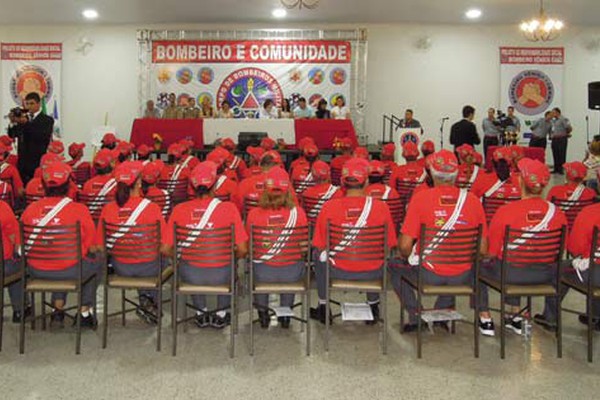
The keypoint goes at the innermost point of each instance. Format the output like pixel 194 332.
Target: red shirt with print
pixel 564 192
pixel 377 190
pixel 11 174
pixel 580 238
pixel 95 185
pixel 509 189
pixel 10 230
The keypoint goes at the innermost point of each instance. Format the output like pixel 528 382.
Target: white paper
pixel 281 312
pixel 431 316
pixel 356 312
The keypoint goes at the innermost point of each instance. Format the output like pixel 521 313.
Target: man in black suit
pixel 33 131
pixel 465 131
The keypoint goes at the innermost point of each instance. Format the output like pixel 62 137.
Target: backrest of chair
pixel 277 244
pixel 223 197
pixel 450 246
pixel 205 246
pixel 366 244
pixel 176 188
pixel 6 192
pixel 397 210
pixel 82 175
pixel 164 202
pixel 300 185
pixel 32 198
pixel 249 204
pixel 387 175
pixel 406 188
pixel 571 208
pixel 312 207
pixel 523 248
pixel 492 204
pixel 132 241
pixel 95 203
pixel 336 176
pixel 51 243
pixel 464 185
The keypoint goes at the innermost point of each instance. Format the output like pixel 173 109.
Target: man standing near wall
pixel 465 131
pixel 560 134
pixel 540 131
pixel 491 131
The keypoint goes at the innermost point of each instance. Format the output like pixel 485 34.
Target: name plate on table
pixel 276 128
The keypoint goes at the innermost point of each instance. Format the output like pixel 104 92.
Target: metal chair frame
pixel 492 204
pixel 571 208
pixel 95 203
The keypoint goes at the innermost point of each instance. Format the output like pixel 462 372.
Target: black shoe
pixel 220 322
pixel 17 315
pixel 375 312
pixel 595 321
pixel 409 328
pixel 319 314
pixel 541 320
pixel 487 328
pixel 284 322
pixel 264 319
pixel 202 320
pixel 57 319
pixel 147 311
pixel 87 322
pixel 445 325
pixel 515 324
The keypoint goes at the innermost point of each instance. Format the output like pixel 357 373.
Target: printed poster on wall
pixel 32 67
pixel 246 72
pixel 531 80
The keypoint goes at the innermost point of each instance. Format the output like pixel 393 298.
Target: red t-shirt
pixel 10 230
pixel 301 161
pixel 409 173
pixel 192 162
pixel 35 188
pixel 250 188
pixel 11 174
pixel 113 214
pixel 161 197
pixel 167 173
pixel 580 238
pixel 345 212
pixel 188 215
pixel 563 192
pixel 252 171
pixel 95 185
pixel 274 221
pixel 6 192
pixel 338 162
pixel 300 178
pixel 485 182
pixel 238 168
pixel 377 190
pixel 433 208
pixel 69 215
pixel 523 214
pixel 466 172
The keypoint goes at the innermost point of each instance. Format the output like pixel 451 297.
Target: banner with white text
pixel 246 72
pixel 531 80
pixel 32 67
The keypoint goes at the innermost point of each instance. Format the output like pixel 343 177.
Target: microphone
pixel 445 118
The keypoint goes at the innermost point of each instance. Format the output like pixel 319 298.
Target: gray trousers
pixel 140 270
pixel 550 309
pixel 264 273
pixel 11 267
pixel 409 298
pixel 336 273
pixel 88 292
pixel 530 275
pixel 206 276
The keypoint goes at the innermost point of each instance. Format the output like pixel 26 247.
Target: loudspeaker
pixel 594 95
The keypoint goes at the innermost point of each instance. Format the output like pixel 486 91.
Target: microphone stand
pixel 442 132
pixel 587 127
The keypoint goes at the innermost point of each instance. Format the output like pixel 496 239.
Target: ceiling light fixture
pixel 473 13
pixel 542 28
pixel 90 13
pixel 279 13
pixel 310 4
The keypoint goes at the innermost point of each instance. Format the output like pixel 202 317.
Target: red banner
pixel 31 51
pixel 532 55
pixel 257 51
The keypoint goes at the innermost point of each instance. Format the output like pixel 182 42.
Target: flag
pixel 44 107
pixel 55 116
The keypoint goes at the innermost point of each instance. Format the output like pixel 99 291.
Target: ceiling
pixel 19 12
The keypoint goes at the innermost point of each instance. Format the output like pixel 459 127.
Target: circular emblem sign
pixel 29 79
pixel 531 92
pixel 409 137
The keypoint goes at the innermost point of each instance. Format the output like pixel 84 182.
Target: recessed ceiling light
pixel 90 13
pixel 473 13
pixel 279 13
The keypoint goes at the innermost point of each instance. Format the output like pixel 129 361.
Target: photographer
pixel 33 130
pixel 512 126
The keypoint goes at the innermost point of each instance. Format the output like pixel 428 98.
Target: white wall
pixel 460 67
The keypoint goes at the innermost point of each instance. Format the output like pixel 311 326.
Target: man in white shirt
pixel 340 111
pixel 303 111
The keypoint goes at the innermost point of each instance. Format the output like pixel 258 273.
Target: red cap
pixel 56 174
pixel 3 150
pixel 355 168
pixel 274 155
pixel 277 180
pixel 125 148
pixel 389 149
pixel 443 161
pixel 320 170
pixel 347 143
pixel 502 153
pixel 103 158
pixel 410 150
pixel 218 156
pixel 75 149
pixel 517 152
pixel 465 151
pixel 151 172
pixel 6 140
pixel 376 168
pixel 535 174
pixel 477 158
pixel 310 150
pixel 175 150
pixel 56 147
pixel 143 150
pixel 204 174
pixel 228 144
pixel 109 138
pixel 575 170
pixel 428 147
pixel 305 141
pixel 267 143
pixel 361 152
pixel 187 144
pixel 255 152
pixel 51 158
pixel 128 172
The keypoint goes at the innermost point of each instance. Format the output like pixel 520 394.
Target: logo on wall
pixel 247 89
pixel 409 136
pixel 206 75
pixel 30 79
pixel 531 92
pixel 185 75
pixel 337 76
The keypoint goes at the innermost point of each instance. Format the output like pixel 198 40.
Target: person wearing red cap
pixel 427 148
pixel 412 171
pixel 444 207
pixel 302 177
pixel 346 148
pixel 354 210
pixel 79 166
pixel 56 147
pixel 533 214
pixel 251 189
pixel 150 177
pixel 500 184
pixel 388 157
pixel 255 154
pixel 361 152
pixel 35 187
pixel 176 169
pixel 574 189
pixel 302 145
pixel 278 211
pixel 377 188
pixel 236 166
pixel 7 141
pixel 467 170
pixel 10 179
pixel 130 209
pixel 322 192
pixel 109 141
pixel 188 159
pixel 205 211
pixel 123 152
pixel 267 143
pixel 143 153
pixel 57 209
pixel 226 187
pixel 103 183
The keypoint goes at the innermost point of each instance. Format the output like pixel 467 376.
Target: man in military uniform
pixel 560 134
pixel 172 111
pixel 191 111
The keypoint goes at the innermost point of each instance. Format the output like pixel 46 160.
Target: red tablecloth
pixel 171 130
pixel 535 153
pixel 324 131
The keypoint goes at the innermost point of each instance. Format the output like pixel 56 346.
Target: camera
pixel 17 112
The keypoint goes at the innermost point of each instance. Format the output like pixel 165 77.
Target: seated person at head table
pixel 286 110
pixel 225 112
pixel 322 111
pixel 268 110
pixel 340 111
pixel 151 112
pixel 303 111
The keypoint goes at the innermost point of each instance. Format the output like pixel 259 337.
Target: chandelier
pixel 542 28
pixel 310 4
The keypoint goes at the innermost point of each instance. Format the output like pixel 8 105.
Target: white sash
pixel 326 197
pixel 110 241
pixel 77 164
pixel 220 182
pixel 235 163
pixel 167 201
pixel 576 195
pixel 49 217
pixel 305 183
pixel 146 162
pixel 474 175
pixel 4 186
pixel 108 186
pixel 387 192
pixel 543 225
pixel 178 169
pixel 212 206
pixel 283 239
pixel 3 167
pixel 349 237
pixel 494 188
pixel 422 177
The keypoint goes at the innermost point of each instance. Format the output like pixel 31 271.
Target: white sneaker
pixel 487 328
